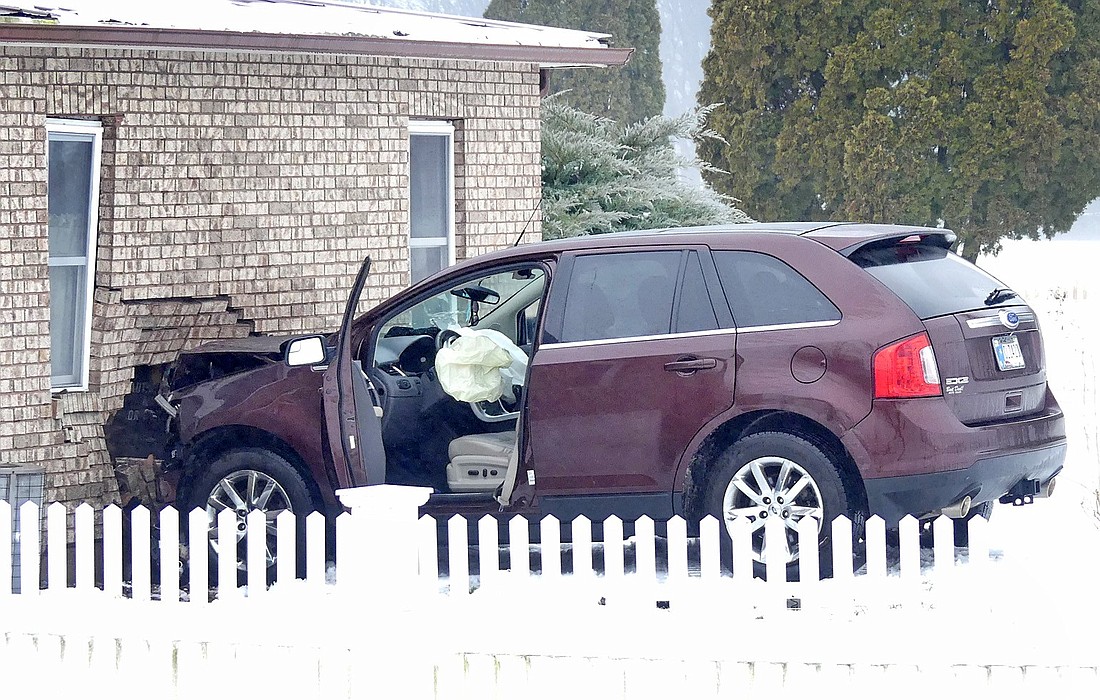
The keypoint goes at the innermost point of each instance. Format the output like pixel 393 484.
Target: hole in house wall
pixel 137 438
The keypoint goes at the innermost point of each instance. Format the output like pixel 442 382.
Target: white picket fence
pixel 407 558
pixel 394 614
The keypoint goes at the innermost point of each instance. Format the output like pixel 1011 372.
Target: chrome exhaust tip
pixel 1046 489
pixel 958 510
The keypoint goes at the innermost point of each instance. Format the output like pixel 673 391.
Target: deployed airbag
pixel 480 365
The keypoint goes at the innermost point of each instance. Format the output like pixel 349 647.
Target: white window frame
pixel 85 131
pixel 435 128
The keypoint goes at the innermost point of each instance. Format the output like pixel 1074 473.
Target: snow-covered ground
pixel 1051 549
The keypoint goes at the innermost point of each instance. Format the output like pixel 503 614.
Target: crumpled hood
pixel 256 344
pixel 221 358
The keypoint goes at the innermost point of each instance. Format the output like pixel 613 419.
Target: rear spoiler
pixel 938 237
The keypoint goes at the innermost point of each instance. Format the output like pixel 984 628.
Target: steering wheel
pixel 443 337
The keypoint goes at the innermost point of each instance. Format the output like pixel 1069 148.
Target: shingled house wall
pixel 239 193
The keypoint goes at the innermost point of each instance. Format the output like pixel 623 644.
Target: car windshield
pixel 933 281
pixel 447 309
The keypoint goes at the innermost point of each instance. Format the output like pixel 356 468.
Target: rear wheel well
pixel 210 445
pixel 698 471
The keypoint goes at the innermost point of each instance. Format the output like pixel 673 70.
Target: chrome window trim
pixel 988 321
pixel 692 334
pixel 788 326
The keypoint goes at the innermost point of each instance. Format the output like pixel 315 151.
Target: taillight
pixel 907 369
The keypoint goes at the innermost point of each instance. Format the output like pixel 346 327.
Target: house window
pixel 431 198
pixel 72 162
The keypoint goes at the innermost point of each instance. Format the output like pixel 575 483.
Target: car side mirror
pixel 309 350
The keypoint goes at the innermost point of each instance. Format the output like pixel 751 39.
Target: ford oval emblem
pixel 1009 320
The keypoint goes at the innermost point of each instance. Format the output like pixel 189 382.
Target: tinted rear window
pixel 931 280
pixel 620 295
pixel 765 291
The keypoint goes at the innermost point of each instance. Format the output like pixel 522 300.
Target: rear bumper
pixel 916 458
pixel 892 498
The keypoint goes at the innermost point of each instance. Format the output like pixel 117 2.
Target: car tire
pixel 246 474
pixel 823 494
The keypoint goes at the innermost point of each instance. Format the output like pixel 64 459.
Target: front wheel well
pixel 209 446
pixel 698 471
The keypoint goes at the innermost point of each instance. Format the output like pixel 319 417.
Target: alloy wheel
pixel 772 487
pixel 244 491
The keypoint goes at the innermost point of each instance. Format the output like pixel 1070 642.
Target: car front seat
pixel 479 462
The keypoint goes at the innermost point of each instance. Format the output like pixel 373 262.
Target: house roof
pixel 300 26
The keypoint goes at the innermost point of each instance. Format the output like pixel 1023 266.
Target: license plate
pixel 1006 348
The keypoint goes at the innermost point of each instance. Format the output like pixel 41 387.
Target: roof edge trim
pixel 223 41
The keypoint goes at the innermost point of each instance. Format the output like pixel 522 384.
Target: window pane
pixel 695 312
pixel 66 324
pixel 426 261
pixel 620 295
pixel 70 167
pixel 765 291
pixel 919 272
pixel 430 206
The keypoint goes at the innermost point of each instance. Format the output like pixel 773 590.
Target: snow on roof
pixel 310 18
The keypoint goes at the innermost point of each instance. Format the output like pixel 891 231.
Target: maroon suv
pixel 747 371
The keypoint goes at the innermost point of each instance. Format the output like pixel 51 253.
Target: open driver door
pixel 353 415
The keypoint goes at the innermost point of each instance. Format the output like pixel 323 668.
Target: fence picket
pixel 84 543
pixel 613 557
pixel 943 544
pixel 169 555
pixel 458 556
pixel 644 549
pixel 140 580
pixel 112 551
pixel 488 549
pixel 352 557
pixel 227 554
pixel 909 543
pixel 842 548
pixel 775 550
pixel 710 554
pixel 315 548
pixel 677 549
pixel 550 547
pixel 519 546
pixel 809 565
pixel 198 556
pixel 29 572
pixel 57 516
pixel 978 542
pixel 286 547
pixel 5 548
pixel 876 546
pixel 428 550
pixel 257 552
pixel 741 541
pixel 582 546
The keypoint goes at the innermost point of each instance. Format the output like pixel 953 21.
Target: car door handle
pixel 688 365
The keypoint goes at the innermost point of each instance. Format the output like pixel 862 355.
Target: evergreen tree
pixel 631 93
pixel 984 115
pixel 599 176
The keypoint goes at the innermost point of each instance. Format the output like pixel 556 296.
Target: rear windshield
pixel 931 280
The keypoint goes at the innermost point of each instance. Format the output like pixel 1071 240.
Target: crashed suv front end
pixel 239 392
